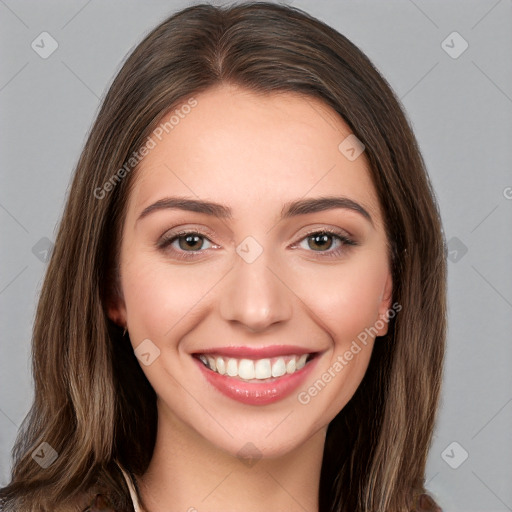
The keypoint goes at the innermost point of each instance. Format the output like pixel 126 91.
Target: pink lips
pixel 256 393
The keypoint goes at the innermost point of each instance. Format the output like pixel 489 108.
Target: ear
pixel 116 311
pixel 382 321
pixel 115 305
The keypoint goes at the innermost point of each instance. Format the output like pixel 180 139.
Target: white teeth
pixel 249 369
pixel 221 366
pixel 262 369
pixel 211 363
pixel 291 366
pixel 232 368
pixel 278 368
pixel 246 369
pixel 302 361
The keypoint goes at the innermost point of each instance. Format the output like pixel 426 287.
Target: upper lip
pixel 239 352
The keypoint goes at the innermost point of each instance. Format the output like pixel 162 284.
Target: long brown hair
pixel 94 405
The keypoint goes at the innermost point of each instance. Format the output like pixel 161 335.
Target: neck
pixel 189 473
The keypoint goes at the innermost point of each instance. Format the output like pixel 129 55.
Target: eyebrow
pixel 290 209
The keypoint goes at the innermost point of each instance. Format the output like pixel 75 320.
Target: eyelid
pixel 166 239
pixel 346 243
pixel 327 229
pixel 186 229
pixel 345 238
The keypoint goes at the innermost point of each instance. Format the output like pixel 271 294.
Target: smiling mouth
pixel 255 370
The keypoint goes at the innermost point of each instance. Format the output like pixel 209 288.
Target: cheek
pixel 159 297
pixel 346 307
pixel 346 298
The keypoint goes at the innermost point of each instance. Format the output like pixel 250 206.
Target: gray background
pixel 461 110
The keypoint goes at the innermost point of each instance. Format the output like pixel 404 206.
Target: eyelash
pixel 346 243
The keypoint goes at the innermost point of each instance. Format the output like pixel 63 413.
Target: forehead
pixel 251 150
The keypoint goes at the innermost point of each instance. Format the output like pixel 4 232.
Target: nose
pixel 255 296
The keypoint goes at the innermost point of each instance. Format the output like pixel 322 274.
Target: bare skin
pixel 254 154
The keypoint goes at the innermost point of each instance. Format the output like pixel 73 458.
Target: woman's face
pixel 224 316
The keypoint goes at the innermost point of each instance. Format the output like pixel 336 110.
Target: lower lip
pixel 257 393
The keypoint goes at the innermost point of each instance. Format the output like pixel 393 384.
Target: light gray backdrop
pixel 460 103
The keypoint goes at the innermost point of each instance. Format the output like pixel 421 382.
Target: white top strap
pixel 133 495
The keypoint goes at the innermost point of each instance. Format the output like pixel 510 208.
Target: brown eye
pixel 320 241
pixel 190 242
pixel 327 243
pixel 185 244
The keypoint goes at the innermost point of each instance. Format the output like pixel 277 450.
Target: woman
pixel 189 354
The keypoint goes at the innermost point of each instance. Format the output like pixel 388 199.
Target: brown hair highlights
pixel 92 402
